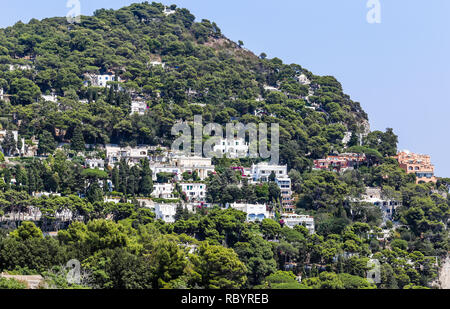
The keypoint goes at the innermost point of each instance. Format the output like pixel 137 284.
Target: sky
pixel 397 69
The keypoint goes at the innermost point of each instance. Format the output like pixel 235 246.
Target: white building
pixel 194 191
pixel 115 153
pixel 162 168
pixel 50 98
pixel 168 11
pixel 270 88
pixel 262 171
pixel 388 206
pixel 255 212
pixel 22 67
pixel 102 80
pixel 95 164
pixel 303 79
pixel 285 185
pixel 292 220
pixel 163 190
pixel 203 166
pixel 157 63
pixel 159 154
pixel 166 212
pixel 99 80
pixel 232 148
pixel 138 107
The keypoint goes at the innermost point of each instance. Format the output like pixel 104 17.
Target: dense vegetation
pixel 122 245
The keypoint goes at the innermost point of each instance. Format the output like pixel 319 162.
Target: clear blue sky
pixel 398 70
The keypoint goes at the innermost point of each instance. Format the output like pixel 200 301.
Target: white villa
pixel 255 212
pixel 167 212
pixel 270 88
pixel 291 220
pixel 303 79
pixel 203 166
pixel 262 171
pixel 232 148
pixel 194 191
pixel 285 185
pixel 115 153
pixel 168 11
pixel 163 168
pixel 138 107
pixel 163 190
pixel 387 205
pixel 50 98
pixel 99 80
pixel 95 163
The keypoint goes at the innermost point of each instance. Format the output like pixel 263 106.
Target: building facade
pixel 163 190
pixel 203 166
pixel 291 220
pixel 194 191
pixel 255 212
pixel 417 164
pixel 232 148
pixel 341 162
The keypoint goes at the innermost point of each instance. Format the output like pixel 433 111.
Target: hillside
pixel 136 215
pixel 201 66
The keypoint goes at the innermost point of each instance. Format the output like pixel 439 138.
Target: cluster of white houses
pixel 162 160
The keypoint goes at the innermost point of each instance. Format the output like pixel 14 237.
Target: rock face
pixel 444 275
pixel 32 282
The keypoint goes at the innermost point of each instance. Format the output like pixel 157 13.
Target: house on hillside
pixel 255 212
pixel 418 164
pixel 138 107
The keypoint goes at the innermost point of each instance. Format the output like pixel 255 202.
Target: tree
pixel 9 143
pixel 47 143
pixel 94 193
pixel 24 91
pixel 26 230
pixel 270 228
pixel 146 182
pixel 385 143
pixel 219 268
pixel 256 253
pixel 282 280
pixel 77 142
pixel 322 189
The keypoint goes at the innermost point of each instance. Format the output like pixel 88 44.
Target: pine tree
pixel 9 143
pixel 31 180
pixel 78 143
pixel 115 178
pixel 146 183
pixel 94 193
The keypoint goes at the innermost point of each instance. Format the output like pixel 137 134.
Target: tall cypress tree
pixel 78 143
pixel 146 183
pixel 115 178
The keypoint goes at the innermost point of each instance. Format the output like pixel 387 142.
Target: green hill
pixel 201 66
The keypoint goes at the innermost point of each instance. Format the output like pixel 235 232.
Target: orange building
pixel 341 162
pixel 418 164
